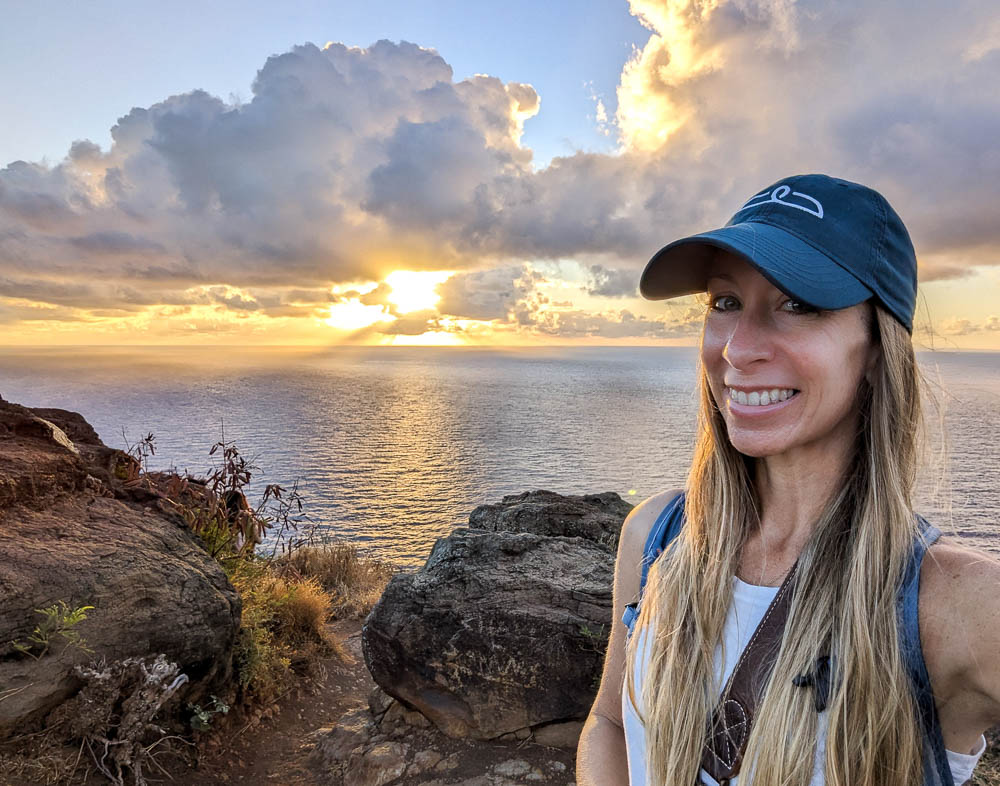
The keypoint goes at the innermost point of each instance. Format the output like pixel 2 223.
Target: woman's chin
pixel 757 447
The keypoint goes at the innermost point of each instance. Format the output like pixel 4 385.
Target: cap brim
pixel 791 264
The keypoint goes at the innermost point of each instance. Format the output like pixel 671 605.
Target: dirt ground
pixel 276 749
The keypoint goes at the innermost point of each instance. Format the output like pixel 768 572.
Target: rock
pixel 564 735
pixel 334 745
pixel 425 760
pixel 414 718
pixel 74 532
pixel 447 764
pixel 395 714
pixel 379 702
pixel 498 631
pixel 383 763
pixel 596 517
pixel 512 768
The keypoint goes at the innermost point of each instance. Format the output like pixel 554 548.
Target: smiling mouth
pixel 761 398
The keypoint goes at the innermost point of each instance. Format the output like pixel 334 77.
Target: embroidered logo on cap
pixel 778 197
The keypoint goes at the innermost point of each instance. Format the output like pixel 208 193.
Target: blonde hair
pixel 844 602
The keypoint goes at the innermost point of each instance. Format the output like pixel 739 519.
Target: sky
pixel 465 173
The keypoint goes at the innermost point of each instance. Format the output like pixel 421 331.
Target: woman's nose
pixel 750 340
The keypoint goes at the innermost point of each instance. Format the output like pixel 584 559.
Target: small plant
pixel 597 641
pixel 57 620
pixel 201 717
pixel 140 451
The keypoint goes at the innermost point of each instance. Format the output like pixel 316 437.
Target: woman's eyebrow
pixel 724 276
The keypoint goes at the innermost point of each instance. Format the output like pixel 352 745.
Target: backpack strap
pixel 936 767
pixel 730 724
pixel 666 527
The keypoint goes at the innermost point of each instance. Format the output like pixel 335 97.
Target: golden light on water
pixel 414 291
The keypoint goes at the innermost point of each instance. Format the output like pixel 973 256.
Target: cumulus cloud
pixel 960 326
pixel 746 91
pixel 346 164
pixel 621 324
pixel 493 294
pixel 349 163
pixel 612 283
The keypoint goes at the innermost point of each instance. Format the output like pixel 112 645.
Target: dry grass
pixel 40 759
pixel 304 613
pixel 988 770
pixel 354 582
pixel 283 628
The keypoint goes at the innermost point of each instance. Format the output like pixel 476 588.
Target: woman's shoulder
pixel 959 577
pixel 960 619
pixel 638 523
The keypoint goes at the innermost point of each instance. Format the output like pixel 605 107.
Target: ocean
pixel 392 447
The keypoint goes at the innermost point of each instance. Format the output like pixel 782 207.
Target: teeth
pixel 760 397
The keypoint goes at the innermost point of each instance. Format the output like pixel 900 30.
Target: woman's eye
pixel 713 302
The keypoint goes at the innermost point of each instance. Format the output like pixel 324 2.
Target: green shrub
pixel 57 620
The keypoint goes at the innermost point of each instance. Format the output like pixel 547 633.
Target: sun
pixel 352 315
pixel 414 291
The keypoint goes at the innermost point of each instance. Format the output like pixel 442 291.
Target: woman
pixel 806 453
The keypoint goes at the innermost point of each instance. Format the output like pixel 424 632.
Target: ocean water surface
pixel 393 447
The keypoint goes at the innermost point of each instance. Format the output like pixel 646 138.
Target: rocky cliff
pixel 77 529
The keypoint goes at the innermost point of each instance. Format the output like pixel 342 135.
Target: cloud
pixel 495 294
pixel 348 163
pixel 621 324
pixel 960 326
pixel 111 243
pixel 612 283
pixel 745 91
pixel 413 324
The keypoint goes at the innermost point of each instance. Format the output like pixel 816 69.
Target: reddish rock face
pixel 70 530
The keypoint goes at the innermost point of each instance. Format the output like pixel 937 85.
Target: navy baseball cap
pixel 827 242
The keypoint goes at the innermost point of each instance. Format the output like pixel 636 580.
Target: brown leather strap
pixel 730 724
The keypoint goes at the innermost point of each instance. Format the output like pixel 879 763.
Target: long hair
pixel 844 602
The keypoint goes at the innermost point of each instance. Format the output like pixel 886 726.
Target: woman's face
pixel 756 338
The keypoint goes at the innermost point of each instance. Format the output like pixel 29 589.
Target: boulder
pixel 500 630
pixel 596 517
pixel 74 531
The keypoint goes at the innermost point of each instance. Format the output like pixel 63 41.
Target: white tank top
pixel 748 607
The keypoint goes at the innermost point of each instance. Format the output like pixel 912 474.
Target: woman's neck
pixel 793 491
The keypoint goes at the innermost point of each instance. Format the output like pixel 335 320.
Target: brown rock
pixel 153 588
pixel 596 517
pixel 497 631
pixel 382 763
pixel 334 745
pixel 564 735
